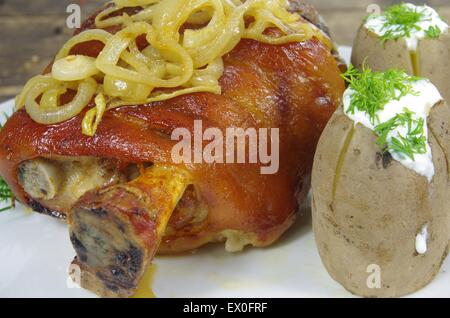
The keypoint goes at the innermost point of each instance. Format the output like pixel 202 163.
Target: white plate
pixel 35 252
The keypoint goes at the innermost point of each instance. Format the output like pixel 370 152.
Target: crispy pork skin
pixel 294 87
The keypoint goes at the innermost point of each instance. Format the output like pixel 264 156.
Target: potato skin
pixel 372 209
pixel 368 48
pixel 433 56
pixel 434 62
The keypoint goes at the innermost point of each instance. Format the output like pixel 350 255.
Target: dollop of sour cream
pixel 427 95
pixel 421 240
pixel 376 24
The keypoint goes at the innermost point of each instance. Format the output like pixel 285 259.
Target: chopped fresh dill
pixel 413 142
pixel 373 90
pixel 401 20
pixel 433 32
pixel 6 195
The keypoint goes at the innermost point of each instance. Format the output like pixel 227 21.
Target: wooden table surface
pixel 32 31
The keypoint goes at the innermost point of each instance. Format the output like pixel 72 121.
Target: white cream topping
pixel 420 104
pixel 421 240
pixel 375 23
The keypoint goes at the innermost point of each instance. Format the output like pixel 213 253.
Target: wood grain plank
pixel 326 5
pixel 58 7
pixel 44 7
pixel 27 53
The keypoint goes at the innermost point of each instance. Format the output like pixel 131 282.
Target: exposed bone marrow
pixel 54 185
pixel 40 178
pixel 116 231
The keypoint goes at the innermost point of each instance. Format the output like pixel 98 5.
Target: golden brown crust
pixel 294 87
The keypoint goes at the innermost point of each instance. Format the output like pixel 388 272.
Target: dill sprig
pixel 6 195
pixel 373 90
pixel 412 143
pixel 433 32
pixel 401 20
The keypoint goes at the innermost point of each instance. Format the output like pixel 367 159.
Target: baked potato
pixel 382 224
pixel 407 37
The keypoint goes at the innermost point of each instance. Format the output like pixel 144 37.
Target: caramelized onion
pixel 53 115
pixel 74 68
pixel 186 42
pixel 94 116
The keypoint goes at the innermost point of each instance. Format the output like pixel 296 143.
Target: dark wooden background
pixel 31 31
